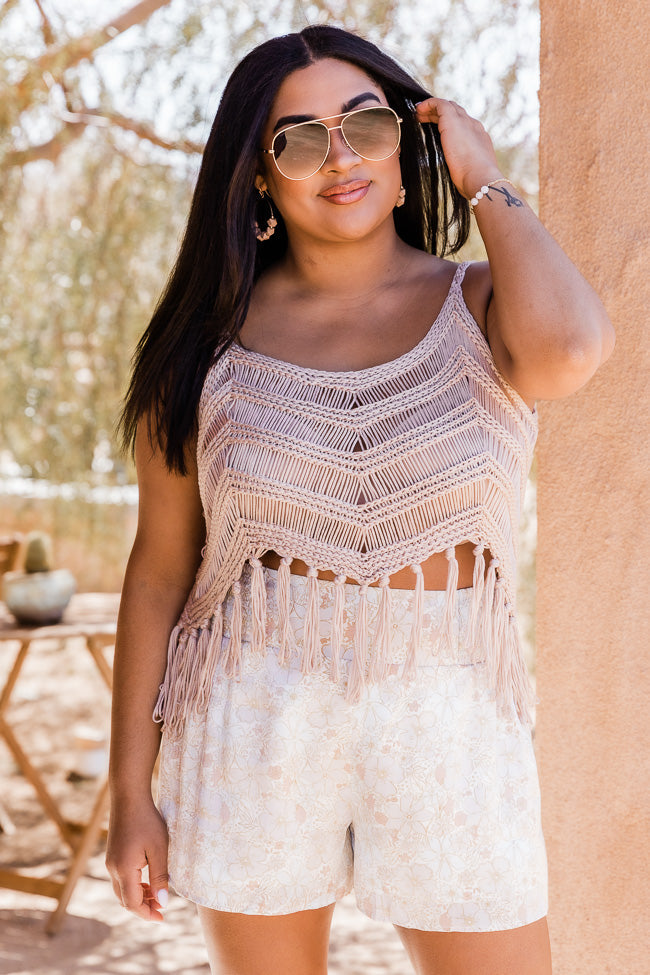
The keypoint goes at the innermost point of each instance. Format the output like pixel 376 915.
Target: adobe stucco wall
pixel 593 557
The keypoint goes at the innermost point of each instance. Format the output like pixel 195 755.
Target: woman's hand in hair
pixel 468 149
pixel 547 329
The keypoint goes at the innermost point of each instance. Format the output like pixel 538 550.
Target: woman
pixel 319 605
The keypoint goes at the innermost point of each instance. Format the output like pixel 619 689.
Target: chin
pixel 356 226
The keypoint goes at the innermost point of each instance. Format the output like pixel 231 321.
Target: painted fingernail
pixel 163 898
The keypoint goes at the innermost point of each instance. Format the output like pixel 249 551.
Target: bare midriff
pixel 434 569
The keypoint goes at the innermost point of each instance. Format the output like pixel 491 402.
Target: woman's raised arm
pixel 547 328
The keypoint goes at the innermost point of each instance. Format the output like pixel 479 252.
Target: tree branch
pixel 56 60
pixel 46 150
pixel 6 7
pixel 74 125
pixel 46 25
pixel 91 116
pixel 50 38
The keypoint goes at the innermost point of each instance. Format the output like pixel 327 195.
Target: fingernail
pixel 163 898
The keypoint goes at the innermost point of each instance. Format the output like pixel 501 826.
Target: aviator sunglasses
pixel 300 150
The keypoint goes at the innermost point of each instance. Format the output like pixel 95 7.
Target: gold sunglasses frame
pixel 332 128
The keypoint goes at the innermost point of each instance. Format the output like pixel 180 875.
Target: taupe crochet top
pixel 362 473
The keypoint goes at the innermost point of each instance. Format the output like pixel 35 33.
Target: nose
pixel 340 155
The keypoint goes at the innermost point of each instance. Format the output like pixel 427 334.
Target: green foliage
pixel 90 246
pixel 38 553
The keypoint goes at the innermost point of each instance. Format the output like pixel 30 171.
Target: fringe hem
pixel 194 652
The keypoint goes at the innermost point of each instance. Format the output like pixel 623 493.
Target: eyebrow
pixel 295 119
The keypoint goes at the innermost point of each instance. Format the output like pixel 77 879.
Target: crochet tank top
pixel 362 473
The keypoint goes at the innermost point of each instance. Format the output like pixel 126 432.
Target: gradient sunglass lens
pixel 301 150
pixel 373 133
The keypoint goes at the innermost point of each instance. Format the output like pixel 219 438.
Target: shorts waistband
pixel 434 605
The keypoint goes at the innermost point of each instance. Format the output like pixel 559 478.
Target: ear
pixel 260 183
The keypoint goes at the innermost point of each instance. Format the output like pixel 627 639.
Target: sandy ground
pixel 99 937
pixel 60 690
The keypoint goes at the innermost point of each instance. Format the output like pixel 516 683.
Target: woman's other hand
pixel 159 575
pixel 137 838
pixel 468 149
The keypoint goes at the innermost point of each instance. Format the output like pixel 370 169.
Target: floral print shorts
pixel 423 796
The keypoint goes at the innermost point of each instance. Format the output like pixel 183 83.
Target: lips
pixel 346 192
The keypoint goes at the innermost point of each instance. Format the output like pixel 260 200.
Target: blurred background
pixel 103 113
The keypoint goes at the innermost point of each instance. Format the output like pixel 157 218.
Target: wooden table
pixel 93 617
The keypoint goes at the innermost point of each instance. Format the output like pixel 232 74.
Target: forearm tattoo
pixel 510 198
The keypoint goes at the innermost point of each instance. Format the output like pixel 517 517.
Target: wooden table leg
pixel 96 645
pixel 80 859
pixel 28 770
pixel 24 882
pixel 14 674
pixel 82 844
pixel 6 823
pixel 33 776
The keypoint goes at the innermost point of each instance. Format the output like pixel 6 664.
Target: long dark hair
pixel 206 298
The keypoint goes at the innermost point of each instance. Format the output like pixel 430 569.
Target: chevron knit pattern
pixel 362 473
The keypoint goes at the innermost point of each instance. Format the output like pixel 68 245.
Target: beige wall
pixel 593 561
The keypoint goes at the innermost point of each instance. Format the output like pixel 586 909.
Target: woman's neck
pixel 345 269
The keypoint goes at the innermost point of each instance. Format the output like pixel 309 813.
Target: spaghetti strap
pixel 458 278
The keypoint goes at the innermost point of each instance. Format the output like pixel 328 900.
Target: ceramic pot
pixel 36 598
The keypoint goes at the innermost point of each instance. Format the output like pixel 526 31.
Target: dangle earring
pixel 271 223
pixel 401 196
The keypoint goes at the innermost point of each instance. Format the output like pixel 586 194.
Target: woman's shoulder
pixel 476 285
pixel 477 294
pixel 477 291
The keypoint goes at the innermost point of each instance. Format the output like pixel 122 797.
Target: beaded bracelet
pixel 483 190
